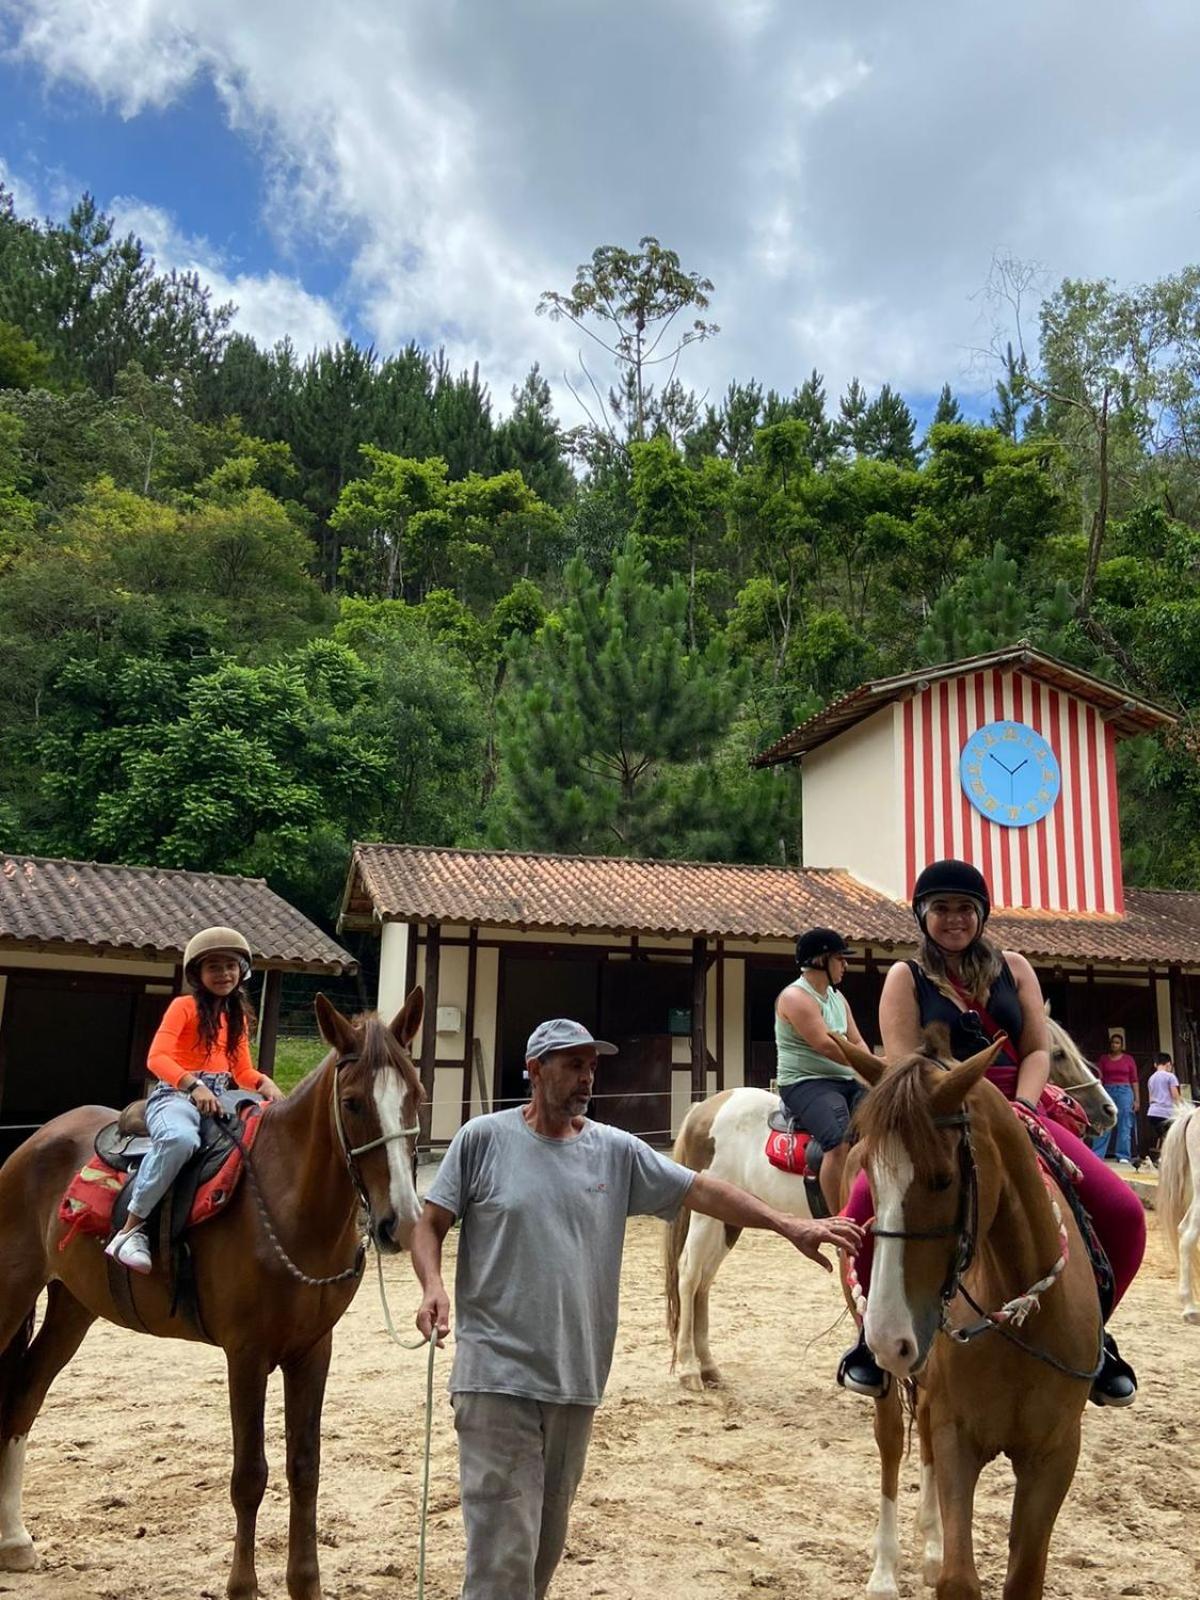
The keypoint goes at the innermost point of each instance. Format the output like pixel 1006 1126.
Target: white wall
pixel 393 968
pixel 850 793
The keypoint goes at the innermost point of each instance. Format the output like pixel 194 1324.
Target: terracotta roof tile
pixel 1128 713
pixel 509 889
pixel 140 910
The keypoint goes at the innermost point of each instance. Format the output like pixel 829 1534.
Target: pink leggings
pixel 1115 1210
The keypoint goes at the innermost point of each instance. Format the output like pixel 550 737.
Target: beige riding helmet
pixel 213 939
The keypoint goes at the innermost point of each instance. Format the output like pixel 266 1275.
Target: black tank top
pixel 1003 1006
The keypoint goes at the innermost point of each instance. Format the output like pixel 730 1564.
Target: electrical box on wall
pixel 449 1019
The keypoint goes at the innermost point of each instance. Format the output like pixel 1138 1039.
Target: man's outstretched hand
pixel 808 1236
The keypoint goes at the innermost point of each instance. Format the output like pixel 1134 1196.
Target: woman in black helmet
pixel 979 991
pixel 815 1084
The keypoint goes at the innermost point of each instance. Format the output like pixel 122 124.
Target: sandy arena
pixel 767 1487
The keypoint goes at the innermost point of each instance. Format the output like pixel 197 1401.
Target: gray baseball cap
pixel 562 1034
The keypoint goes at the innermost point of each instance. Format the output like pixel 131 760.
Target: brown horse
pixel 962 1215
pixel 274 1271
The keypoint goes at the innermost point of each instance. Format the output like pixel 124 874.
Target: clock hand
pixel 1018 766
pixel 993 757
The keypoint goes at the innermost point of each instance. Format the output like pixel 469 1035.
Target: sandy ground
pixel 766 1487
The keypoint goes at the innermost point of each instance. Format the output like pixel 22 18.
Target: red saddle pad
pixel 787 1151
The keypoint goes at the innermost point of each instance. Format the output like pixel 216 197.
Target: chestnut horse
pixel 274 1271
pixel 726 1135
pixel 982 1304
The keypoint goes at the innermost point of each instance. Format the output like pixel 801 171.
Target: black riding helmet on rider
pixel 814 948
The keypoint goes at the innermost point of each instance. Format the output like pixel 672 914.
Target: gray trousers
pixel 519 1465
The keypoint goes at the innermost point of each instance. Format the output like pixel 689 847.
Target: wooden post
pixel 433 952
pixel 699 995
pixel 268 1020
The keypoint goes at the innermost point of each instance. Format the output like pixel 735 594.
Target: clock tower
pixel 1006 760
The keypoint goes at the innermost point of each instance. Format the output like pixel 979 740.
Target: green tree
pixel 634 297
pixel 608 716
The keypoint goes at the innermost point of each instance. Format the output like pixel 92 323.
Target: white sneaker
pixel 131 1250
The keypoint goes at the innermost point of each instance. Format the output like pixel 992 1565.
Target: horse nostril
pixel 904 1350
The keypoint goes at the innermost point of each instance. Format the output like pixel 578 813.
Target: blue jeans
pixel 1122 1098
pixel 174 1125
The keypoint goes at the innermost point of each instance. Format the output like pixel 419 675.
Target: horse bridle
pixel 349 1151
pixel 965 1227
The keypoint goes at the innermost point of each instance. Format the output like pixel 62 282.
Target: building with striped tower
pixel 1007 760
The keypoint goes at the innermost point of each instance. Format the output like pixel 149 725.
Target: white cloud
pixel 843 174
pixel 270 306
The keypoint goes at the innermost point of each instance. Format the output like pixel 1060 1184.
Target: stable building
pixel 1006 760
pixel 90 958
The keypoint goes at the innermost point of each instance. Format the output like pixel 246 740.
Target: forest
pixel 257 603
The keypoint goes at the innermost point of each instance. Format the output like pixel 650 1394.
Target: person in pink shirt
pixel 1119 1075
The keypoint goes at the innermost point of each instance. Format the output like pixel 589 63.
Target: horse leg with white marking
pixel 929 1512
pixel 1178 1203
pixel 708 1243
pixel 889 1437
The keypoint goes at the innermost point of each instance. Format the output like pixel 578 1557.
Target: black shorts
pixel 823 1107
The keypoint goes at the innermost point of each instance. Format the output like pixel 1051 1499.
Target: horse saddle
pixel 97 1201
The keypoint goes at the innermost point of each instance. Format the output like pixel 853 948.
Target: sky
pixel 423 169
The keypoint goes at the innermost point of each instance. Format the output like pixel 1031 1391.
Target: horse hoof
pixel 710 1377
pixel 931 1571
pixel 1192 1316
pixel 18 1555
pixel 883 1589
pixel 692 1382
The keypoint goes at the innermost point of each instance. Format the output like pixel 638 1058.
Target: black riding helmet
pixel 813 947
pixel 952 877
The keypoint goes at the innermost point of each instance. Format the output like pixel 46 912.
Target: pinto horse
pixel 274 1271
pixel 726 1135
pixel 1178 1204
pixel 982 1304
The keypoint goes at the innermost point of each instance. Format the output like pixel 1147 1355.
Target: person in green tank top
pixel 819 1090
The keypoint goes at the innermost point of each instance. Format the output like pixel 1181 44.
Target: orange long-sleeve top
pixel 176 1049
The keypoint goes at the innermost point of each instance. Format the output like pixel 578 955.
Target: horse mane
pixel 1062 1042
pixel 380 1048
pixel 898 1107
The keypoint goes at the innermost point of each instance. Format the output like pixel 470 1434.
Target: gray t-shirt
pixel 539 1251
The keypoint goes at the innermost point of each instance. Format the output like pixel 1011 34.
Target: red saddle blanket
pixel 87 1205
pixel 787 1151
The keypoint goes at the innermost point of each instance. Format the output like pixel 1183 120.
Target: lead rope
pixel 434 1343
pixel 434 1340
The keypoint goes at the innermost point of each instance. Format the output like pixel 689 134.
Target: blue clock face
pixel 1009 773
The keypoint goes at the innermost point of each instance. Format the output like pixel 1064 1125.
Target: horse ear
pixel 869 1067
pixel 950 1092
pixel 408 1019
pixel 336 1030
pixel 1046 1006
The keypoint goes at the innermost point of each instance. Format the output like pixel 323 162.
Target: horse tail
pixel 1175 1185
pixel 693 1148
pixel 11 1359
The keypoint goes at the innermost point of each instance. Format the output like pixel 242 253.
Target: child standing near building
pixel 202 1042
pixel 1162 1103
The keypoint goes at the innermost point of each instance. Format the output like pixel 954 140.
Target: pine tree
pixel 948 409
pixel 888 430
pixel 530 441
pixel 608 716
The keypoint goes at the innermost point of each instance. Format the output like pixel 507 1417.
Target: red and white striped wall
pixel 1071 859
